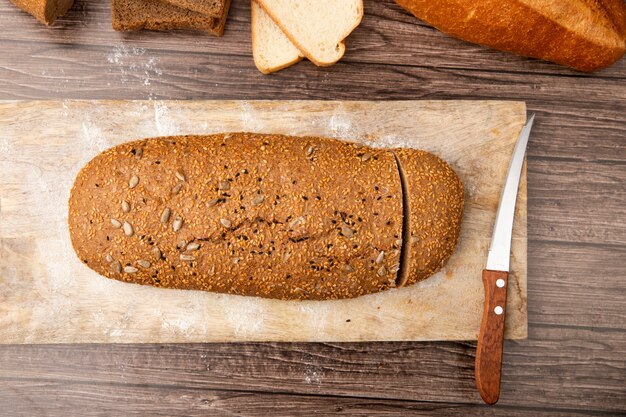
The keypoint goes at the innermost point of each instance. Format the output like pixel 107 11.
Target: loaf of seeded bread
pixel 583 34
pixel 128 15
pixel 264 215
pixel 46 11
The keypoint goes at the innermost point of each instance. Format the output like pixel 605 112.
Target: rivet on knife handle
pixel 491 336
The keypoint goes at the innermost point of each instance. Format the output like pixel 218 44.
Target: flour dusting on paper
pixel 163 121
pixel 4 145
pixel 94 137
pixel 246 316
pixel 341 126
pixel 389 141
pixel 249 120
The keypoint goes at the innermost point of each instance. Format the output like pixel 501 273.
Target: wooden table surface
pixel 573 362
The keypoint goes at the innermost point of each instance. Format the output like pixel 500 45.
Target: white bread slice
pixel 271 48
pixel 316 27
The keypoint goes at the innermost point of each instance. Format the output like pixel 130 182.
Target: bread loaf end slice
pixel 46 11
pixel 433 211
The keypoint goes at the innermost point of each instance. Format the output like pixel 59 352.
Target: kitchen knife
pixel 495 279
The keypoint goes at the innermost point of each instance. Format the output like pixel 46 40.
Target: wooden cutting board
pixel 48 296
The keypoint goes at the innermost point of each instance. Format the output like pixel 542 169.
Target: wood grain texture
pixel 73 304
pixel 537 372
pixel 53 398
pixel 572 362
pixel 564 293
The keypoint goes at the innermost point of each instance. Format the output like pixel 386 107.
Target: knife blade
pixel 488 367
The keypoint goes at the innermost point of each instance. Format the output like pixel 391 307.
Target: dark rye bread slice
pixel 213 8
pixel 242 213
pixel 128 15
pixel 46 11
pixel 433 206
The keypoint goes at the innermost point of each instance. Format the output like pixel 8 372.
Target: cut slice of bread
pixel 220 24
pixel 46 11
pixel 316 27
pixel 131 15
pixel 213 8
pixel 271 48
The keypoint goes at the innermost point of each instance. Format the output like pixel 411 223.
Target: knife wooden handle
pixel 491 336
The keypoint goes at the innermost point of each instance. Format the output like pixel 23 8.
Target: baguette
pixel 46 11
pixel 583 34
pixel 263 215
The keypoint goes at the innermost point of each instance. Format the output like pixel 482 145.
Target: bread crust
pixel 310 55
pixel 131 15
pixel 587 35
pixel 213 8
pixel 256 10
pixel 46 11
pixel 249 214
pixel 433 207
